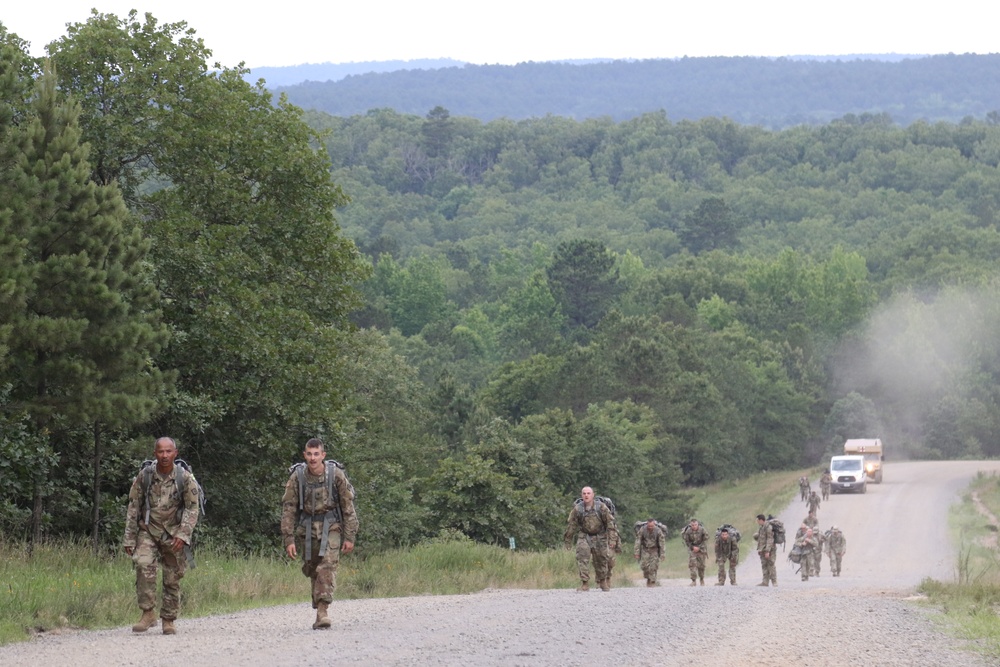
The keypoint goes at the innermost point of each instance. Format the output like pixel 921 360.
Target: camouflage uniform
pixel 810 521
pixel 152 543
pixel 650 549
pixel 727 551
pixel 804 488
pixel 836 545
pixel 765 543
pixel 813 502
pixel 595 532
pixel 810 550
pixel 818 556
pixel 825 482
pixel 696 537
pixel 320 568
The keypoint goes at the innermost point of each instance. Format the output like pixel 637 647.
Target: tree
pixel 82 349
pixel 711 226
pixel 584 280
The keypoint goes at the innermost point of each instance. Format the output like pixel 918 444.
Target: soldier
pixel 813 502
pixel 593 526
pixel 318 519
pixel 836 547
pixel 804 488
pixel 825 482
pixel 811 520
pixel 650 549
pixel 809 547
pixel 159 524
pixel 727 549
pixel 765 549
pixel 696 538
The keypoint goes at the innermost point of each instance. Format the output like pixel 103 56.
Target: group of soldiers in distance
pixel 592 529
pixel 810 542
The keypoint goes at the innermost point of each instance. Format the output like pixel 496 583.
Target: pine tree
pixel 82 348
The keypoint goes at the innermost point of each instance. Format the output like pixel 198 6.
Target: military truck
pixel 871 449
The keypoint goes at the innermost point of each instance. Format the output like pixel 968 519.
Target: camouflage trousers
pixel 733 561
pixel 768 568
pixel 835 559
pixel 149 554
pixel 593 547
pixel 696 564
pixel 824 490
pixel 322 571
pixel 807 566
pixel 649 561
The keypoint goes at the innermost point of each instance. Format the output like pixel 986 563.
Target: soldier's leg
pixel 146 559
pixel 654 568
pixel 722 573
pixel 325 580
pixel 583 559
pixel 702 557
pixel 174 566
pixel 693 567
pixel 601 555
pixel 732 570
pixel 772 569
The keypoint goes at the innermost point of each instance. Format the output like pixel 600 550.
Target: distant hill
pixel 770 92
pixel 293 74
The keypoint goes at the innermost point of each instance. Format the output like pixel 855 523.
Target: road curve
pixel 897 535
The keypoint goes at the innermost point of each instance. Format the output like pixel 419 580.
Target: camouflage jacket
pixel 812 521
pixel 826 480
pixel 650 541
pixel 765 538
pixel 726 549
pixel 695 538
pixel 807 544
pixel 317 502
pixel 594 521
pixel 165 503
pixel 836 542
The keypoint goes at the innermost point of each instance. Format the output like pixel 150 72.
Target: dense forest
pixel 770 92
pixel 500 313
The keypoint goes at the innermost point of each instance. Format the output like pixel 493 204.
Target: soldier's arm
pixel 132 516
pixel 289 512
pixel 349 518
pixel 572 528
pixel 189 518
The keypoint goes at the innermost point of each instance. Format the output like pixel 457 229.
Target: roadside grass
pixel 971 604
pixel 63 585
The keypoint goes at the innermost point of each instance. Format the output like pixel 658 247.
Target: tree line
pixel 769 92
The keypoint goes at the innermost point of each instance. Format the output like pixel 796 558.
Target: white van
pixel 848 474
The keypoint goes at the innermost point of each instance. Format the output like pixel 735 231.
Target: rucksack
pixel 778 530
pixel 639 525
pixel 795 555
pixel 185 474
pixel 299 470
pixel 734 534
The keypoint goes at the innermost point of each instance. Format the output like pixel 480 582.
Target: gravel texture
pixel 868 616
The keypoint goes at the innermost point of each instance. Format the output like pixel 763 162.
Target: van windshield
pixel 847 464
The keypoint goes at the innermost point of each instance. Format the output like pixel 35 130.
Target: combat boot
pixel 168 626
pixel 605 585
pixel 720 583
pixel 694 583
pixel 146 621
pixel 702 582
pixel 584 586
pixel 322 620
pixel 763 583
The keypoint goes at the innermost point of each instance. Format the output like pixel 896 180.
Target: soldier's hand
pixel 637 557
pixel 291 551
pixel 347 547
pixel 129 550
pixel 178 545
pixel 695 549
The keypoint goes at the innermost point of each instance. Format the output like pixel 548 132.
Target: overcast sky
pixel 291 32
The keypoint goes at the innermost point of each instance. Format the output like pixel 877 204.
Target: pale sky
pixel 292 32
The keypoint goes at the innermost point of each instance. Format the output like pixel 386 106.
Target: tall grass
pixel 62 584
pixel 972 602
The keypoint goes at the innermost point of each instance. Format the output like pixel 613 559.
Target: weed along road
pixel 897 535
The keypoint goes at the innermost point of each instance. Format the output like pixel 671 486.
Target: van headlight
pixel 870 467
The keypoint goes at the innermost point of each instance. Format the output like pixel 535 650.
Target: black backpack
pixel 778 530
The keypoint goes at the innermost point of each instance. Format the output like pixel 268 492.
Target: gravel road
pixel 897 535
